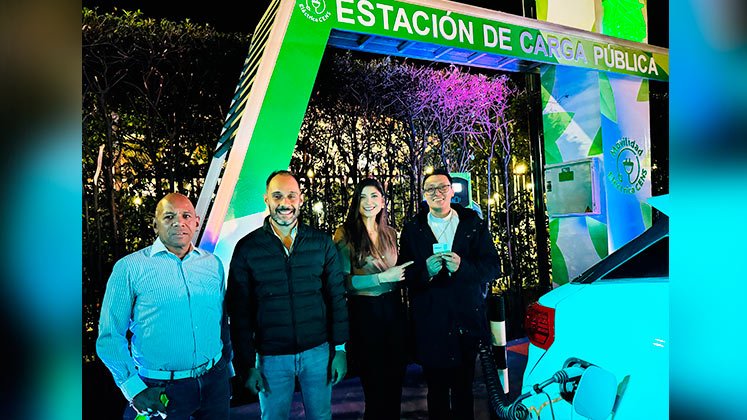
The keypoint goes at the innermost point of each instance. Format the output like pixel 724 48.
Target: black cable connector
pixel 496 397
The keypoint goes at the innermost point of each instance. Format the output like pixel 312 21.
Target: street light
pixel 520 168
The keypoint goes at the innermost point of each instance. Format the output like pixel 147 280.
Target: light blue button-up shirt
pixel 172 306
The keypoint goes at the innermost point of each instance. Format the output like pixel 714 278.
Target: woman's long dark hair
pixel 355 231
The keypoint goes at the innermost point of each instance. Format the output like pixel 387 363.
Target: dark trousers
pixel 450 389
pixel 207 397
pixel 378 351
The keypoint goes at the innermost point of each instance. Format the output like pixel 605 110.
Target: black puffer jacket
pixel 447 306
pixel 282 304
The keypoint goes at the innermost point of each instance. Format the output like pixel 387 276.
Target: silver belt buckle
pixel 199 371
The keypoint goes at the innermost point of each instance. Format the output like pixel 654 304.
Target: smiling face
pixel 371 202
pixel 283 199
pixel 176 223
pixel 438 193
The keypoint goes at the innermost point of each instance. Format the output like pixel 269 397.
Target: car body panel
pixel 616 316
pixel 624 330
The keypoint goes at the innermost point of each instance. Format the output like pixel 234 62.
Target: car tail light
pixel 539 325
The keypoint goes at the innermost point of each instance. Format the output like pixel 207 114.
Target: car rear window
pixel 651 262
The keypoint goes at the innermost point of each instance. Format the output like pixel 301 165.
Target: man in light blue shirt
pixel 170 297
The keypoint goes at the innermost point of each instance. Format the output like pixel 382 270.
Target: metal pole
pixel 497 317
pixel 536 146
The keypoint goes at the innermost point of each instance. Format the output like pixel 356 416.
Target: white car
pixel 615 316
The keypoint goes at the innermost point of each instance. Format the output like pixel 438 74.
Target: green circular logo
pixel 315 10
pixel 628 175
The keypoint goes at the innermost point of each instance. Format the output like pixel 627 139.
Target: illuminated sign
pixel 547 43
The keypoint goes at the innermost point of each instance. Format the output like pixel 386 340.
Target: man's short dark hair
pixel 280 172
pixel 439 171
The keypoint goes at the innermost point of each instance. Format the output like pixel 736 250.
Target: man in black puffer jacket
pixel 287 307
pixel 454 260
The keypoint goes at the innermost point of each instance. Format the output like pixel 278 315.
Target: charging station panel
pixel 572 188
pixel 462 186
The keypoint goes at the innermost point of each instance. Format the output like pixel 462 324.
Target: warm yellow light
pixel 137 201
pixel 310 173
pixel 520 169
pixel 428 170
pixel 318 207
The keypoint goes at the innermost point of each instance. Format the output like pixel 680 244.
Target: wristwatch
pixel 340 347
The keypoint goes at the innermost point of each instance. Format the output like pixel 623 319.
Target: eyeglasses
pixel 441 188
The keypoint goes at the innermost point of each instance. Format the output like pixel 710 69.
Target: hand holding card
pixel 441 247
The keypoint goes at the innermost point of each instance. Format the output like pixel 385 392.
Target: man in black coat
pixel 454 259
pixel 287 307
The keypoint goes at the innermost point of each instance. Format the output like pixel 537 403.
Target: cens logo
pixel 626 174
pixel 315 10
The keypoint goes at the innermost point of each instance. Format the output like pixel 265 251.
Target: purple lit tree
pixel 449 102
pixel 411 86
pixel 389 118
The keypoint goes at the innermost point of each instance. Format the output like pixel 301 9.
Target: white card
pixel 441 247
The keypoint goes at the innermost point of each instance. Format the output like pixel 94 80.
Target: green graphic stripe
pixel 607 98
pixel 554 125
pixel 559 268
pixel 596 145
pixel 662 61
pixel 598 235
pixel 545 96
pixel 646 215
pixel 547 81
pixel 643 91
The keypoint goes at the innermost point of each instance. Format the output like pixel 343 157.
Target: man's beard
pixel 277 217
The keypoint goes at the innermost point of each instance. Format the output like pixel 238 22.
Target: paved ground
pixel 347 396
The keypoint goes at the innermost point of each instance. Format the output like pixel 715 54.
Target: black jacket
pixel 282 304
pixel 447 306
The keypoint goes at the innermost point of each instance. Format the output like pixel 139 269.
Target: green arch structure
pixel 260 132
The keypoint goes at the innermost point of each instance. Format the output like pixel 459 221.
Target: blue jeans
pixel 206 397
pixel 280 372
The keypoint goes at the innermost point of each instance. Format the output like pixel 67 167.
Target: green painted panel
pixel 559 268
pixel 554 125
pixel 596 145
pixel 282 112
pixel 624 19
pixel 598 235
pixel 607 98
pixel 541 9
